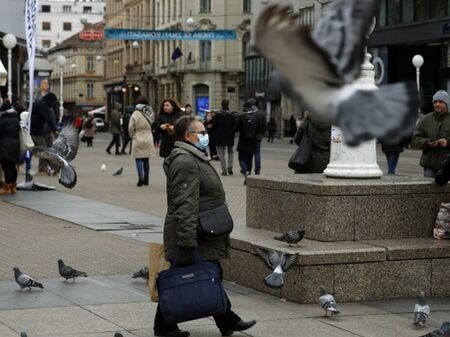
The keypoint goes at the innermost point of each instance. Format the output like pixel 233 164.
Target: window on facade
pixel 46 25
pixel 46 8
pixel 205 6
pixel 87 9
pixel 175 8
pixel 407 11
pixel 393 12
pixel 247 6
pixel 90 63
pixel 90 89
pixel 67 9
pixel 67 26
pixel 437 9
pixel 205 51
pixel 306 16
pixel 46 43
pixel 245 45
pixel 159 14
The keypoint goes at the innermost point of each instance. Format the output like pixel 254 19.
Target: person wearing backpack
pixel 248 127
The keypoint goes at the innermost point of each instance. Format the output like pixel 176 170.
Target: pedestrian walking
pixel 432 135
pixel 9 148
pixel 292 128
pixel 168 114
pixel 209 125
pixel 262 129
pixel 193 186
pixel 128 110
pixel 248 127
pixel 114 129
pixel 140 130
pixel 271 129
pixel 392 153
pixel 89 130
pixel 223 125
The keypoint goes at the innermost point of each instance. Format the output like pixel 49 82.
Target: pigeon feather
pixel 327 302
pixel 68 272
pixel 25 281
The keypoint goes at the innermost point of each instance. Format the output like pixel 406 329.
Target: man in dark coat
pixel 262 128
pixel 43 123
pixel 114 128
pixel 9 148
pixel 128 110
pixel 224 129
pixel 247 125
pixel 432 135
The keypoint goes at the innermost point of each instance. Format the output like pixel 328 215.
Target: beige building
pixel 83 72
pixel 208 71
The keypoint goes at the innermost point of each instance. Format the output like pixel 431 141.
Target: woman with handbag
pixel 9 148
pixel 193 187
pixel 140 131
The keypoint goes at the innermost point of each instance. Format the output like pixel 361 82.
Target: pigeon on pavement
pixel 118 172
pixel 291 237
pixel 143 273
pixel 68 272
pixel 328 303
pixel 279 263
pixel 320 68
pixel 118 334
pixel 443 331
pixel 25 281
pixel 421 311
pixel 23 334
pixel 63 151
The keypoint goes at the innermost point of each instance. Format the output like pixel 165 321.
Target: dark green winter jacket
pixel 432 127
pixel 193 185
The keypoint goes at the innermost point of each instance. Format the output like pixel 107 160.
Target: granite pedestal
pixel 365 239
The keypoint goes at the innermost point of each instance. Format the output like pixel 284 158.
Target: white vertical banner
pixel 30 31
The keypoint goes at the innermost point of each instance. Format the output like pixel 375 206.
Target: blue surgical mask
pixel 203 141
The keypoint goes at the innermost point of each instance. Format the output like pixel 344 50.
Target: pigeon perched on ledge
pixel 68 272
pixel 279 263
pixel 328 303
pixel 142 273
pixel 291 237
pixel 443 331
pixel 58 156
pixel 319 69
pixel 25 281
pixel 421 311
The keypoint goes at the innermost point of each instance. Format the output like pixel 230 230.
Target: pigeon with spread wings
pixel 60 154
pixel 278 262
pixel 319 68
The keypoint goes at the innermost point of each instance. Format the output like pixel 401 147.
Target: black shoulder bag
pixel 215 223
pixel 299 159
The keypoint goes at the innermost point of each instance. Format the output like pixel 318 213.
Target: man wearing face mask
pixel 43 123
pixel 193 186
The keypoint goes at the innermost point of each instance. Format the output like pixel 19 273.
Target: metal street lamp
pixel 61 61
pixel 417 62
pixel 9 41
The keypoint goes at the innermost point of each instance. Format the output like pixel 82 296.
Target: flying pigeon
pixel 118 172
pixel 278 262
pixel 63 151
pixel 421 311
pixel 103 167
pixel 25 281
pixel 68 272
pixel 291 237
pixel 143 273
pixel 320 68
pixel 328 303
pixel 443 331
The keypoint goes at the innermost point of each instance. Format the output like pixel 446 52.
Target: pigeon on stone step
pixel 320 68
pixel 279 263
pixel 68 272
pixel 443 331
pixel 143 273
pixel 421 311
pixel 328 303
pixel 118 173
pixel 291 237
pixel 25 281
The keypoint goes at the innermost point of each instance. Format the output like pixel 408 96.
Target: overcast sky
pixel 12 17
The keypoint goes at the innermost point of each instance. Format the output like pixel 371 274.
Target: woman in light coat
pixel 140 130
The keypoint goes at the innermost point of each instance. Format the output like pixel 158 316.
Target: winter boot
pixel 12 188
pixel 6 189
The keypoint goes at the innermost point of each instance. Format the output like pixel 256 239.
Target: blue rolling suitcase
pixel 191 292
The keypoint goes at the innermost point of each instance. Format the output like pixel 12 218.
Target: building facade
pixel 206 72
pixel 84 70
pixel 57 20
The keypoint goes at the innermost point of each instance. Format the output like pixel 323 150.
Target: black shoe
pixel 176 332
pixel 140 183
pixel 224 173
pixel 238 326
pixel 118 153
pixel 107 151
pixel 145 181
pixel 257 173
pixel 230 171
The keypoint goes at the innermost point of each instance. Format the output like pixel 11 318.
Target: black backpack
pixel 250 126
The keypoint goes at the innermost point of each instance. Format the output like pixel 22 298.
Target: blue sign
pixel 202 105
pixel 143 34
